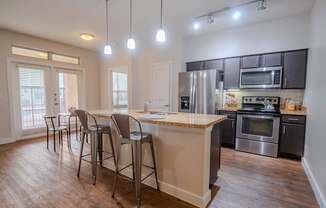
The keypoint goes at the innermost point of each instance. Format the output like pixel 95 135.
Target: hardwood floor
pixel 31 176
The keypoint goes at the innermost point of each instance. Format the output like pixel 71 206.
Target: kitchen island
pixel 187 148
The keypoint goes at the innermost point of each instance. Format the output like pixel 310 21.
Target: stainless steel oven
pixel 266 77
pixel 258 133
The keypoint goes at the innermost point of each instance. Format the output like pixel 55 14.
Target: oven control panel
pixel 260 100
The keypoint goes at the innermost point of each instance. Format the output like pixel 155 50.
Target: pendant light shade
pixel 107 47
pixel 160 35
pixel 107 50
pixel 131 43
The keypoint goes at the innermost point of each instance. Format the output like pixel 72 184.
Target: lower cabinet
pixel 228 130
pixel 292 137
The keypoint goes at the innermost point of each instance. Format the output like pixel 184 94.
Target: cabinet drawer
pixel 294 119
pixel 229 114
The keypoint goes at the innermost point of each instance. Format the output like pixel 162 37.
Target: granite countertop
pixel 187 120
pixel 298 113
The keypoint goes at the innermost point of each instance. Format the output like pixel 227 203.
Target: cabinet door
pixel 228 133
pixel 295 64
pixel 272 59
pixel 292 139
pixel 214 64
pixel 195 66
pixel 250 62
pixel 231 73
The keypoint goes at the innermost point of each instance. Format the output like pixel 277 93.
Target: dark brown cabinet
pixel 292 136
pixel 228 129
pixel 231 73
pixel 215 161
pixel 214 64
pixel 250 62
pixel 271 59
pixel 294 71
pixel 195 66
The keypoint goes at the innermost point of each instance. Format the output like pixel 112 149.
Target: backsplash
pixel 296 95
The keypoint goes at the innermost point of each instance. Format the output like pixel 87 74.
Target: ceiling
pixel 65 20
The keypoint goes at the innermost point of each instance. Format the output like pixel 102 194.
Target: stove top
pixel 260 104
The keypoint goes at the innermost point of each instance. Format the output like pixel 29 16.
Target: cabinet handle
pixel 293 119
pixel 284 129
pixel 232 124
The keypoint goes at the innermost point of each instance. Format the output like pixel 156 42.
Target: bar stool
pixel 50 126
pixel 136 139
pixel 67 120
pixel 97 132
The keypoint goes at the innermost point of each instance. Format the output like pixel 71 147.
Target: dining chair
pixel 51 126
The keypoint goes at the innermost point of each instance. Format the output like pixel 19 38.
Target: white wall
pixel 275 35
pixel 315 150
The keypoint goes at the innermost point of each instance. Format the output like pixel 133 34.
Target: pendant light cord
pixel 161 23
pixel 130 18
pixel 107 21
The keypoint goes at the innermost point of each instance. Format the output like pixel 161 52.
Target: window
pixel 120 90
pixel 29 52
pixel 32 97
pixel 65 59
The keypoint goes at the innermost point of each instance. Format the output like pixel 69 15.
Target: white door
pixel 40 91
pixel 33 96
pixel 160 87
pixel 67 90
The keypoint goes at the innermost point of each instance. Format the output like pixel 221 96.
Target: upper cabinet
pixel 214 64
pixel 294 64
pixel 271 59
pixel 195 66
pixel 217 64
pixel 294 71
pixel 250 62
pixel 231 73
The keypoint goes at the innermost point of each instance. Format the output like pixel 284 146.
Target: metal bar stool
pixel 136 139
pixel 50 126
pixel 96 132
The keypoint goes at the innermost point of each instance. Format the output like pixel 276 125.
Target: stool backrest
pixel 122 123
pixel 83 117
pixel 49 122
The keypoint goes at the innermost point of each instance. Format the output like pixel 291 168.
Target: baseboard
pixel 313 182
pixel 170 189
pixel 6 141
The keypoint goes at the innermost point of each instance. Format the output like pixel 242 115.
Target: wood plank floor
pixel 33 177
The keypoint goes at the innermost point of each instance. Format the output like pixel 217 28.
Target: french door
pixel 42 91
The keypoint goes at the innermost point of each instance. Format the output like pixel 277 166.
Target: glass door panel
pixel 32 97
pixel 68 91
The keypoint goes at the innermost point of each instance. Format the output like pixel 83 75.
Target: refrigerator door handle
pixel 193 93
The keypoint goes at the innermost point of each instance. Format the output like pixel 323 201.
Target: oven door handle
pixel 258 116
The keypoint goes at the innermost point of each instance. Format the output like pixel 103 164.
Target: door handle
pixel 284 129
pixel 166 105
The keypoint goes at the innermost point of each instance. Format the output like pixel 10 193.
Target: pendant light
pixel 131 43
pixel 107 47
pixel 160 35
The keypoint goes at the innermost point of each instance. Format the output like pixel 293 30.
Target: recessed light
pixel 236 15
pixel 87 36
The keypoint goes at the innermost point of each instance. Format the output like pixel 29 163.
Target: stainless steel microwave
pixel 266 77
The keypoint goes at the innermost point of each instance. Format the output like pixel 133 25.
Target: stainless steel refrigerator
pixel 197 91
